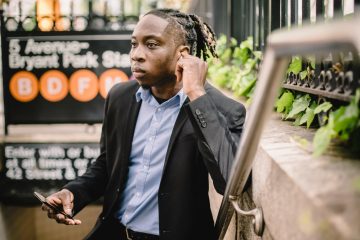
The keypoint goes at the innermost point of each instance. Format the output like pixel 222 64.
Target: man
pixel 162 134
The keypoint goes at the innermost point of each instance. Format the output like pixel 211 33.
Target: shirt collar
pixel 142 94
pixel 145 95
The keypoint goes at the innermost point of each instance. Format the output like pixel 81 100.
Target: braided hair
pixel 198 34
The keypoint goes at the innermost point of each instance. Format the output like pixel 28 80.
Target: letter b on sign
pixel 24 86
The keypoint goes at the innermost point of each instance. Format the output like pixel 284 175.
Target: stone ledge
pixel 304 197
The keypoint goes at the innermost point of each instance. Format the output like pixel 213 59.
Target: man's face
pixel 153 53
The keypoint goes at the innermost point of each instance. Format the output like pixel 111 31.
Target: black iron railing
pixel 334 76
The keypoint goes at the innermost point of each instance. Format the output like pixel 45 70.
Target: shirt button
pixel 159 109
pixel 137 194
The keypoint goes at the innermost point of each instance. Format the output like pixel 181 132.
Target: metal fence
pixel 334 76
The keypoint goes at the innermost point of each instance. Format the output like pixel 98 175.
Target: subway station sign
pixel 61 77
pixel 45 168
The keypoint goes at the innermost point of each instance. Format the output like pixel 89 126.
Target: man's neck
pixel 166 92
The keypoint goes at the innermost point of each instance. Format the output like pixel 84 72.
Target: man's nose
pixel 137 54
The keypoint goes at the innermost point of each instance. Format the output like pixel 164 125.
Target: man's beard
pixel 145 86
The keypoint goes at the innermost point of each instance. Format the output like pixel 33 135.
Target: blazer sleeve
pixel 218 122
pixel 91 185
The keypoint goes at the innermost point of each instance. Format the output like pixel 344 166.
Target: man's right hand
pixel 63 199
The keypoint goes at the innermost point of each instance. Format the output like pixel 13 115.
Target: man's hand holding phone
pixel 59 207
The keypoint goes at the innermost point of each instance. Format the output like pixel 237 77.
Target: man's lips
pixel 137 72
pixel 137 69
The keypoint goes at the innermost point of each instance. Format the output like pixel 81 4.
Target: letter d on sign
pixel 24 86
pixel 54 85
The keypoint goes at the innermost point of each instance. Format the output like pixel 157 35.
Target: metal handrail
pixel 281 45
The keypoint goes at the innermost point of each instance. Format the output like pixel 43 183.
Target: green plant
pixel 237 66
pixel 341 124
pixel 302 108
pixel 237 70
pixel 296 66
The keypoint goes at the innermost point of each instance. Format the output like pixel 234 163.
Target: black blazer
pixel 204 140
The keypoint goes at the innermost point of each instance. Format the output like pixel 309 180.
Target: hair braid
pixel 198 34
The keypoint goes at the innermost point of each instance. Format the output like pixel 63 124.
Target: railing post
pixel 305 10
pixel 294 12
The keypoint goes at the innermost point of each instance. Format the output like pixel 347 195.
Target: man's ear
pixel 184 48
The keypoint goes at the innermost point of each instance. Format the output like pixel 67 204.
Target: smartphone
pixel 54 208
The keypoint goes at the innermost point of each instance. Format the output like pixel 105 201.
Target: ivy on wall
pixel 237 70
pixel 237 66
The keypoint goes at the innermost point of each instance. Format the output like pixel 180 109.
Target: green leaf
pixel 302 142
pixel 311 60
pixel 346 118
pixel 300 104
pixel 356 184
pixel 221 76
pixel 233 42
pixel 285 102
pixel 244 82
pixel 295 65
pixel 241 54
pixel 257 54
pixel 324 107
pixel 221 44
pixel 250 93
pixel 308 117
pixel 297 119
pixel 248 43
pixel 248 83
pixel 357 96
pixel 225 57
pixel 322 140
pixel 303 74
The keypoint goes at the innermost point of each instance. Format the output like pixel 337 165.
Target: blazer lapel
pixel 181 119
pixel 127 135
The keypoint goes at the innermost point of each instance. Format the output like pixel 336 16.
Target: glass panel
pixel 113 8
pixel 98 7
pixel 329 9
pixel 313 11
pixel 80 7
pixel 45 14
pixel 131 7
pixel 348 6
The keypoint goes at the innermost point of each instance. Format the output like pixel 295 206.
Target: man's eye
pixel 133 44
pixel 151 45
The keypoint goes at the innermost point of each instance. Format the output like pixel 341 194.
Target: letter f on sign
pixel 84 83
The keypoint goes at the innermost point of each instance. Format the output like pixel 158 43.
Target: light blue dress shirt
pixel 139 203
